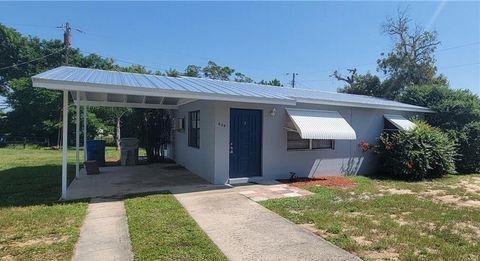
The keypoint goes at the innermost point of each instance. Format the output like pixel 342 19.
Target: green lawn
pixel 386 219
pixel 33 224
pixel 161 229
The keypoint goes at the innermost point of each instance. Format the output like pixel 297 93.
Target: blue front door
pixel 245 143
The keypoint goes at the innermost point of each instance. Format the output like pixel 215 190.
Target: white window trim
pixel 310 142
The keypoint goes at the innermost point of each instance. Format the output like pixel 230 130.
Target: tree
pixel 192 71
pixel 16 52
pixel 457 112
pixel 412 61
pixel 240 77
pixel 134 69
pixel 216 72
pixel 112 116
pixel 172 73
pixel 37 111
pixel 367 84
pixel 93 61
pixel 469 140
pixel 274 82
pixel 454 108
pixel 26 118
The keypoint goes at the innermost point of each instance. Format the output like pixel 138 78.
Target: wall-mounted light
pixel 273 112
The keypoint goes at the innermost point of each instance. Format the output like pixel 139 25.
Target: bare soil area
pixel 326 181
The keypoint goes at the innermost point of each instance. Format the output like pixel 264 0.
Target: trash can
pixel 129 151
pixel 96 151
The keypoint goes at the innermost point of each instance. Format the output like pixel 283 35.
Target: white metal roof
pixel 326 125
pixel 399 121
pixel 98 87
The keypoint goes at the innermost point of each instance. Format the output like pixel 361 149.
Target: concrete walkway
pixel 104 234
pixel 244 230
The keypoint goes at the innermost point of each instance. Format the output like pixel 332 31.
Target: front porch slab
pixel 119 181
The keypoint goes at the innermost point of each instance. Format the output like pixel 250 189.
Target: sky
pixel 263 40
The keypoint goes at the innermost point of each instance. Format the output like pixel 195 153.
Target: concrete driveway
pixel 244 230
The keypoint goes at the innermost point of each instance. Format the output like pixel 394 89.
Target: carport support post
pixel 65 144
pixel 84 133
pixel 77 137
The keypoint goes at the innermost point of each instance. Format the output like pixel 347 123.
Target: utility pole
pixel 67 39
pixel 293 78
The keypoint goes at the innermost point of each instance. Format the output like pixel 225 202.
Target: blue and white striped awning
pixel 321 125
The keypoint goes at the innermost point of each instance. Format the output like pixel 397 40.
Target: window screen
pixel 194 129
pixel 322 144
pixel 295 142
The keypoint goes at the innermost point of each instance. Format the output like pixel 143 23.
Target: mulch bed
pixel 326 181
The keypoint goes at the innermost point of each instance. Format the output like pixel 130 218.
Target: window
pixel 194 129
pixel 322 144
pixel 295 142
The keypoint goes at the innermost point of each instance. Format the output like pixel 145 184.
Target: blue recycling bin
pixel 96 151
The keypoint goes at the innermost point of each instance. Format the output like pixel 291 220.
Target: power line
pixel 34 60
pixel 458 46
pixel 367 64
pixel 459 65
pixel 129 62
pixel 30 25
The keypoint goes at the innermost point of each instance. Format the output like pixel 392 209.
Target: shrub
pixel 469 148
pixel 453 108
pixel 423 152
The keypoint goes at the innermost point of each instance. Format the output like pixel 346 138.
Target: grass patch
pixel 161 229
pixel 33 224
pixel 373 223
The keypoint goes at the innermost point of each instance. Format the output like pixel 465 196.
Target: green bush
pixel 469 148
pixel 453 108
pixel 423 152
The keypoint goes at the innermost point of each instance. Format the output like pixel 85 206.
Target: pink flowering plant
pixel 416 154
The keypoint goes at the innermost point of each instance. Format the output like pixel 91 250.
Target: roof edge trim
pixel 118 89
pixel 364 105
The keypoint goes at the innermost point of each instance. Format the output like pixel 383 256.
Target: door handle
pixel 231 148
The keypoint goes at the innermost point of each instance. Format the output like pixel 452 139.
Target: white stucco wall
pixel 211 161
pixel 198 160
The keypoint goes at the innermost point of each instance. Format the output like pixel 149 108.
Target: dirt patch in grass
pixel 325 181
pixel 388 254
pixel 472 185
pixel 40 241
pixel 362 240
pixel 437 195
pixel 396 191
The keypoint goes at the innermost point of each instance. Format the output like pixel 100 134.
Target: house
pixel 230 132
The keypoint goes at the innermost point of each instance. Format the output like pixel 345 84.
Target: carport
pixel 91 87
pixel 73 82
